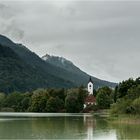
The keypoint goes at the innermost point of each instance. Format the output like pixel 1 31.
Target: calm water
pixel 63 126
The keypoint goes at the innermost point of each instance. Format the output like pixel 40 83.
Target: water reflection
pixel 97 129
pixel 64 126
pixel 89 124
pixel 127 131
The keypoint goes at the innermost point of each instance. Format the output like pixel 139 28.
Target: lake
pixel 63 126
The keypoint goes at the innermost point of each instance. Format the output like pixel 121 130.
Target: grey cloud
pixel 8 23
pixel 101 37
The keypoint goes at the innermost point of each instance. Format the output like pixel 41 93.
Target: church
pixel 90 99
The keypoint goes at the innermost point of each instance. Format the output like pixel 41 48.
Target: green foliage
pixel 13 101
pixel 2 97
pixel 74 101
pixel 7 109
pixel 57 93
pixel 44 100
pixel 134 92
pixel 39 100
pixel 71 104
pixel 25 103
pixel 103 97
pixel 124 86
pixel 81 97
pixel 128 97
pixel 121 107
pixel 54 104
pixel 137 81
pixel 136 105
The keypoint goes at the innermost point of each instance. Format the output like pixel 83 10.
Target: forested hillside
pixel 23 70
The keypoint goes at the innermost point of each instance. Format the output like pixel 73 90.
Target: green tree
pixel 54 104
pixel 2 98
pixel 13 100
pixel 81 97
pixel 136 105
pixel 124 86
pixel 122 106
pixel 138 81
pixel 133 92
pixel 25 103
pixel 103 97
pixel 57 93
pixel 72 105
pixel 39 100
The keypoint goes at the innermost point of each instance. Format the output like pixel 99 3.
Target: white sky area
pixel 100 37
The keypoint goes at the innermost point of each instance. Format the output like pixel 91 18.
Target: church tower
pixel 90 86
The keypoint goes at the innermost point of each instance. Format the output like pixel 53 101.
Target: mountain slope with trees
pixel 42 74
pixel 73 73
pixel 16 75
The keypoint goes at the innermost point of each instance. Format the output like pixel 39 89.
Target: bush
pixel 7 109
pixel 54 104
pixel 121 107
pixel 136 105
pixel 103 98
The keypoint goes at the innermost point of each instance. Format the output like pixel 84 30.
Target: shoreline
pixel 125 119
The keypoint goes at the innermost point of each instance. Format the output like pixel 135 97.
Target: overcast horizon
pixel 100 37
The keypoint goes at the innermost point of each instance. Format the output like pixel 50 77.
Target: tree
pixel 138 81
pixel 13 100
pixel 115 93
pixel 2 98
pixel 124 86
pixel 54 104
pixel 103 97
pixel 57 93
pixel 136 105
pixel 134 92
pixel 25 103
pixel 39 100
pixel 81 97
pixel 72 105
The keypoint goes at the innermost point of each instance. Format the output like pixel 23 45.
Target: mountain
pixel 74 74
pixel 27 71
pixel 15 75
pixel 22 70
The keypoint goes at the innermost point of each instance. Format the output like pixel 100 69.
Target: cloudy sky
pixel 102 37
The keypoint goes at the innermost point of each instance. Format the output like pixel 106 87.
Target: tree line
pixel 54 100
pixel 44 100
pixel 127 97
pixel 124 99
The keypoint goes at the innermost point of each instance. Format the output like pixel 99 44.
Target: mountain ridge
pixel 69 66
pixel 55 76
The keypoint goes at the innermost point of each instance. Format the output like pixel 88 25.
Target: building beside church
pixel 90 99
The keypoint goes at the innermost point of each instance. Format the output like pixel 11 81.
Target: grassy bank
pixel 117 118
pixel 125 119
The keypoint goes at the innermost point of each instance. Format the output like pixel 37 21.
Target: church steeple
pixel 90 86
pixel 90 80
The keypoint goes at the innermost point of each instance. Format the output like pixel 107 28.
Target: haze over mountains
pixel 23 70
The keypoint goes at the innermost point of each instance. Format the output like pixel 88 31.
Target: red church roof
pixel 90 99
